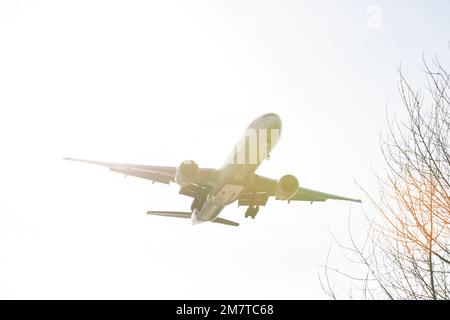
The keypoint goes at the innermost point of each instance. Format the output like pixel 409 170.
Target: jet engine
pixel 186 172
pixel 286 187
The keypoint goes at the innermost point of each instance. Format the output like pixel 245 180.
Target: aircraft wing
pixel 154 173
pixel 263 186
pixel 304 194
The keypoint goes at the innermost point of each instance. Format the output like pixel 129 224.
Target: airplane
pixel 236 180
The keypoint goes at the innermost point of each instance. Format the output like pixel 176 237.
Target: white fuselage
pixel 239 169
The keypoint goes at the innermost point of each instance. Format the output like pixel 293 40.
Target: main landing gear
pixel 252 211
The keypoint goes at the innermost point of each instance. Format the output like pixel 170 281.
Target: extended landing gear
pixel 252 211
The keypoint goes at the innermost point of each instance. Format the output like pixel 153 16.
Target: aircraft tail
pixel 188 215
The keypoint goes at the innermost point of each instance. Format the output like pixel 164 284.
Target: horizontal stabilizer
pixel 225 221
pixel 175 214
pixel 188 215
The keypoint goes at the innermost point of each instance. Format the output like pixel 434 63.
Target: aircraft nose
pixel 268 120
pixel 272 120
pixel 276 120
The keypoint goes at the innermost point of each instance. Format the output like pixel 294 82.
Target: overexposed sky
pixel 159 82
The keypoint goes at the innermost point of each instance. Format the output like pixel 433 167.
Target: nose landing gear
pixel 252 211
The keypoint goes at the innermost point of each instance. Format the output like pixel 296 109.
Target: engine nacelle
pixel 286 187
pixel 186 172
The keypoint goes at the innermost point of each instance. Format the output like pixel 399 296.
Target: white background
pixel 161 82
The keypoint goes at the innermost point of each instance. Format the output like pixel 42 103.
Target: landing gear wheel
pixel 252 211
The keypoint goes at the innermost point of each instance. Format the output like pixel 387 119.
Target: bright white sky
pixel 161 82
